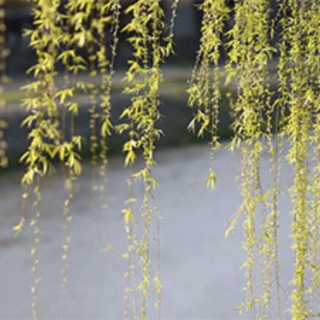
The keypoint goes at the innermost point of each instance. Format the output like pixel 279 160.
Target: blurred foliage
pixel 16 4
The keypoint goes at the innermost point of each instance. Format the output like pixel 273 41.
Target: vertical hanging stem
pixel 249 54
pixel 44 134
pixel 298 55
pixel 204 90
pixel 146 30
pixel 106 68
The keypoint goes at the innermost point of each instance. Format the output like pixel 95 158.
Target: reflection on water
pixel 199 267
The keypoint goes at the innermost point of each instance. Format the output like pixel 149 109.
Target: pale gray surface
pixel 199 266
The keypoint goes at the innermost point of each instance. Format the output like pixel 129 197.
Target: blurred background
pixel 187 32
pixel 177 73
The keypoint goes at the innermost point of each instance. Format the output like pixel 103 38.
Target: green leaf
pixel 212 179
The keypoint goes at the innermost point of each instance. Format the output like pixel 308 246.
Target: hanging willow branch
pixel 204 91
pixel 249 55
pixel 106 67
pixel 299 58
pixel 44 134
pixel 46 143
pixel 146 30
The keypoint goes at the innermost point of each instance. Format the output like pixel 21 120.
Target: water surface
pixel 200 269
